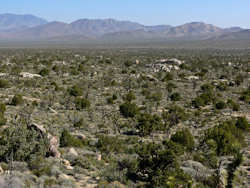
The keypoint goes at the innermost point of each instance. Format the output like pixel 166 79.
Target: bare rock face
pixel 99 157
pixel 73 152
pixel 196 169
pixel 1 170
pixel 54 145
pixel 53 141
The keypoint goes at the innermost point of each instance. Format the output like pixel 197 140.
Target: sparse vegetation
pixel 110 118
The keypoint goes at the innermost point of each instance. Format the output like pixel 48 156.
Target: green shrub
pixel 79 123
pixel 170 86
pixel 110 100
pixel 39 166
pixel 242 123
pixel 175 97
pixel 155 96
pixel 198 102
pixel 220 105
pixel 17 100
pixel 3 120
pixel 169 76
pixel 129 96
pixel 22 143
pixel 44 72
pixel 110 144
pixel 227 136
pixel 148 123
pixel 75 91
pixel 158 167
pixel 233 105
pixel 184 138
pixel 128 109
pixel 128 63
pixel 4 83
pixel 175 115
pixel 245 96
pixel 67 140
pixel 207 87
pixel 82 103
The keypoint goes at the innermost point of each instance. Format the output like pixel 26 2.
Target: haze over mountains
pixel 31 28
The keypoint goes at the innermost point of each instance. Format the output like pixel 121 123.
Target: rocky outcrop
pixel 30 75
pixel 196 170
pixel 53 141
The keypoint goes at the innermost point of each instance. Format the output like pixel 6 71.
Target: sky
pixel 223 13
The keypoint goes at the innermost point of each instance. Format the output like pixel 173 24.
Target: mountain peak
pixel 9 21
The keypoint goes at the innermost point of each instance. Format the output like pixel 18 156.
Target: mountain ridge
pixel 107 29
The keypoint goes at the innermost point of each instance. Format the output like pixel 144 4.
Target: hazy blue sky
pixel 149 12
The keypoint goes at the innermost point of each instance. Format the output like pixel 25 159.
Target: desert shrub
pixel 198 102
pixel 17 100
pixel 129 96
pixel 175 96
pixel 15 70
pixel 221 86
pixel 67 140
pixel 177 148
pixel 2 107
pixel 170 86
pixel 174 115
pixel 44 72
pixel 128 109
pixel 75 91
pixel 22 143
pixel 228 137
pixel 184 138
pixel 82 162
pixel 155 96
pixel 207 87
pixel 82 103
pixel 110 100
pixel 148 123
pixel 220 105
pixel 110 144
pixel 50 182
pixel 3 120
pixel 242 123
pixel 79 123
pixel 239 79
pixel 168 76
pixel 39 167
pixel 158 167
pixel 204 99
pixel 4 83
pixel 245 96
pixel 233 105
pixel 128 63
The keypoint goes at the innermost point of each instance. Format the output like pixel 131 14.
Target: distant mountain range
pixel 31 28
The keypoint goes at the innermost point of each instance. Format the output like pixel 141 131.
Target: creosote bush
pixel 44 72
pixel 128 109
pixel 184 138
pixel 67 140
pixel 17 100
pixel 82 103
pixel 3 120
pixel 22 143
pixel 4 83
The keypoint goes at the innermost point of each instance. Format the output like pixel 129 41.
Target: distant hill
pixel 31 28
pixel 240 35
pixel 17 22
